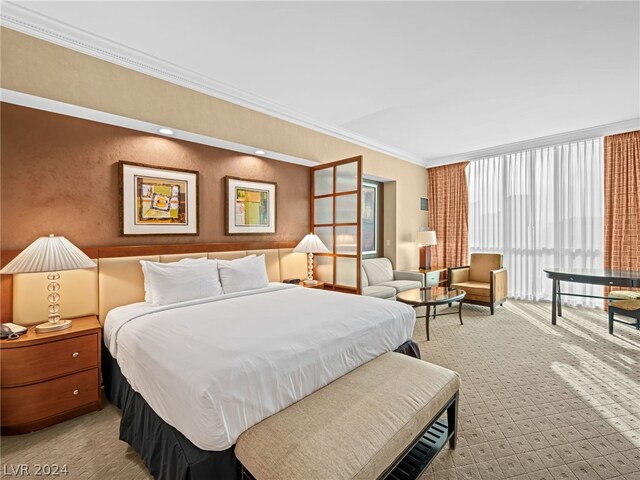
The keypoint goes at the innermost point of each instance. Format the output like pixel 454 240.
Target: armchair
pixel 484 280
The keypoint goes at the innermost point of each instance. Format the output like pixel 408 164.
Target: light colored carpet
pixel 538 402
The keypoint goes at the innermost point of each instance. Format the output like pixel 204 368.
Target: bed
pixel 241 358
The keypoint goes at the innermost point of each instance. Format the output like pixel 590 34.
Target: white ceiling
pixel 430 79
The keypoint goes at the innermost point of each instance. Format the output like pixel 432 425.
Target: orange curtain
pixel 622 202
pixel 449 214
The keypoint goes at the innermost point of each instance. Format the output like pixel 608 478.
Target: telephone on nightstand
pixel 11 331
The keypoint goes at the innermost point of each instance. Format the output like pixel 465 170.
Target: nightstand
pixel 441 270
pixel 50 377
pixel 317 285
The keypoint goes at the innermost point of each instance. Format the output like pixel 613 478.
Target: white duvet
pixel 214 367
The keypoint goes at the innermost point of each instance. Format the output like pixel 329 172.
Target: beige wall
pixel 36 67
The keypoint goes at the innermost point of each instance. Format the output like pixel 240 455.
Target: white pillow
pixel 241 259
pixel 175 282
pixel 148 297
pixel 246 273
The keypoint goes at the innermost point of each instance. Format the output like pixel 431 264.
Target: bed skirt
pixel 167 453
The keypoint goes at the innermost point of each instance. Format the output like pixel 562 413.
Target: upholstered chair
pixel 624 295
pixel 484 280
pixel 625 308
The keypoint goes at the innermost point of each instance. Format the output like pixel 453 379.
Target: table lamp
pixel 311 244
pixel 50 254
pixel 426 239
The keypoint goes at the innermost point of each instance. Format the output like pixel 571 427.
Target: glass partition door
pixel 336 199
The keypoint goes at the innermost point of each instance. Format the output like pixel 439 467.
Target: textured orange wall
pixel 60 175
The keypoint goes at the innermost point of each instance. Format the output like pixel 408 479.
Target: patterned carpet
pixel 538 402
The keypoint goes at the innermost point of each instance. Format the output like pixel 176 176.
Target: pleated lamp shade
pixel 426 237
pixel 311 243
pixel 49 254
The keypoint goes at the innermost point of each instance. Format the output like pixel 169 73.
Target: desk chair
pixel 624 295
pixel 626 308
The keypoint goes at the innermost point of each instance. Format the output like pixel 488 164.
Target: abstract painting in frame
pixel 251 207
pixel 157 200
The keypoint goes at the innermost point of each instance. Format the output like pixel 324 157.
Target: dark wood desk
pixel 593 276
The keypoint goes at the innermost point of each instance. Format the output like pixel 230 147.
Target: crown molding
pixel 48 105
pixel 560 138
pixel 18 17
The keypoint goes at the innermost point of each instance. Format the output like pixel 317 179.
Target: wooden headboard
pixel 118 279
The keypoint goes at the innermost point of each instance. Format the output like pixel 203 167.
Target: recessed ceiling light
pixel 166 131
pixel 260 152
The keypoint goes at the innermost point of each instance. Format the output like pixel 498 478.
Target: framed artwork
pixel 251 207
pixel 157 200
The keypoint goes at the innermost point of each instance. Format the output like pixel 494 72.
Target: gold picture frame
pixel 157 200
pixel 250 207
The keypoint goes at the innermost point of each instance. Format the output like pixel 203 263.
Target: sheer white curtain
pixel 541 208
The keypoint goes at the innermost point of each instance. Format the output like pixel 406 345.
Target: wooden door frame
pixel 357 224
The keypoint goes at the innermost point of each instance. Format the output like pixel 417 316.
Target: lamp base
pixel 53 327
pixel 425 257
pixel 310 282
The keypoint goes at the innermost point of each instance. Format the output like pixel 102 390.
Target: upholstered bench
pixel 379 419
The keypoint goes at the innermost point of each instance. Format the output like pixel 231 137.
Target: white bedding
pixel 214 367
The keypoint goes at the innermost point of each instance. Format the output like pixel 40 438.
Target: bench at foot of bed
pixel 382 420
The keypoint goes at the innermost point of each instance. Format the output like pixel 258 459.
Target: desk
pixel 593 276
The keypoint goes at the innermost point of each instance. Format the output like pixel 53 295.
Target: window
pixel 541 208
pixel 371 219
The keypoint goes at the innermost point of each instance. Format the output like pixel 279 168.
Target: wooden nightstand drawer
pixel 31 403
pixel 35 363
pixel 47 378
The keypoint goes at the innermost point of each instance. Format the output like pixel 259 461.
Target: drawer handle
pixel 76 392
pixel 610 283
pixel 75 355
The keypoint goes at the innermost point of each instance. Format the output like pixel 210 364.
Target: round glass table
pixel 432 297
